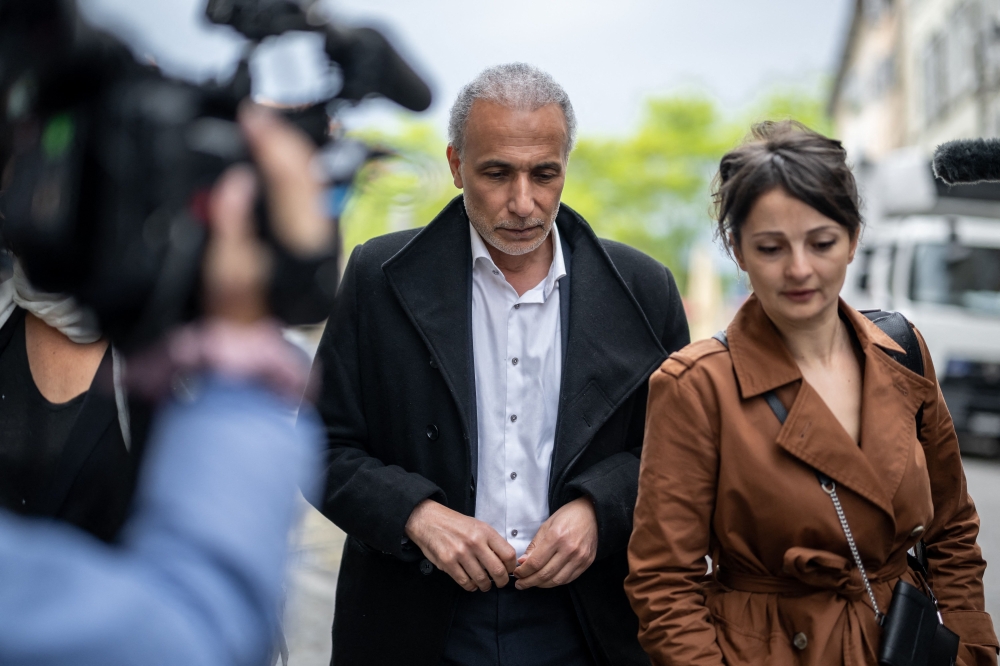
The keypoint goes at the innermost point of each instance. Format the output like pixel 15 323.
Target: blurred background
pixel 662 89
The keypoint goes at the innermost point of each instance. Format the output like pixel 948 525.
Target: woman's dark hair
pixel 788 155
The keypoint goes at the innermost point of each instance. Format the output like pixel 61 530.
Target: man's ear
pixel 455 163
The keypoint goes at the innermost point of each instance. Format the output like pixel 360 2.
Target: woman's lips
pixel 799 295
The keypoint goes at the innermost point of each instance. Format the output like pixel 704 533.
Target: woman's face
pixel 795 256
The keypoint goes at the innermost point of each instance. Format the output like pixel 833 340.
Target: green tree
pixel 649 189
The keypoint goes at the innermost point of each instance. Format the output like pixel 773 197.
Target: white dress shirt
pixel 517 350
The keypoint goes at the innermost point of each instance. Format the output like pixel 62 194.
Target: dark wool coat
pixel 398 402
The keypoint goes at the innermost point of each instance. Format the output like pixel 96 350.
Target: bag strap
pixel 898 327
pixel 829 486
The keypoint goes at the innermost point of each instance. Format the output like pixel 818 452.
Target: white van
pixel 941 269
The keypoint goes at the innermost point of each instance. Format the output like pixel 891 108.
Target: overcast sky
pixel 608 54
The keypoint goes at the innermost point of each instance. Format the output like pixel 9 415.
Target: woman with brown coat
pixel 721 476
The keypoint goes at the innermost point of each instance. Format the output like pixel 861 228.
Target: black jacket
pixel 398 402
pixel 92 482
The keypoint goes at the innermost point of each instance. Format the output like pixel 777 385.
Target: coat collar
pixel 891 397
pixel 610 348
pixel 762 361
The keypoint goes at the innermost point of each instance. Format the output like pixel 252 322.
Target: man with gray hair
pixel 484 393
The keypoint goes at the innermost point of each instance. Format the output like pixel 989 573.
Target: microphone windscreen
pixel 968 161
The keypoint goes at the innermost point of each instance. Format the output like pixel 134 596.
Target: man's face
pixel 512 171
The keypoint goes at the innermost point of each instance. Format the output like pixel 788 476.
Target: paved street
pixel 984 486
pixel 313 579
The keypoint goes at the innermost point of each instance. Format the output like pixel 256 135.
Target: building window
pixel 935 77
pixel 874 10
pixel 962 76
pixel 884 77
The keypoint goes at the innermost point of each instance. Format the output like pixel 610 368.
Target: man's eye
pixel 545 177
pixel 494 175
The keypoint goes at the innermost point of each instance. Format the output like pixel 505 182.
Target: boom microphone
pixel 968 161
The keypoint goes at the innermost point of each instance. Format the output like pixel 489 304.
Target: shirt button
pixel 513 475
pixel 517 306
pixel 496 272
pixel 513 418
pixel 514 361
pixel 800 641
pixel 513 533
pixel 917 531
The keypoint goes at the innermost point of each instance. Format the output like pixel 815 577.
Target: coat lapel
pixel 432 279
pixel 892 397
pixel 611 349
pixel 811 432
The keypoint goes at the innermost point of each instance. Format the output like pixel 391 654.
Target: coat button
pixel 432 432
pixel 917 531
pixel 426 568
pixel 434 364
pixel 800 641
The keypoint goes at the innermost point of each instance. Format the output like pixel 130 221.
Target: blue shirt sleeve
pixel 198 576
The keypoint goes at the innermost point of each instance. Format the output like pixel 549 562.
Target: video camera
pixel 110 162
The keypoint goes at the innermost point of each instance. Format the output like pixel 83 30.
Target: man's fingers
pixel 503 551
pixel 474 569
pixel 490 561
pixel 551 573
pixel 540 556
pixel 460 576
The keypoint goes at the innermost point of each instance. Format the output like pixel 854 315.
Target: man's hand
pixel 563 548
pixel 468 550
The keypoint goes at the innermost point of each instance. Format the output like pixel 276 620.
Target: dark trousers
pixel 510 627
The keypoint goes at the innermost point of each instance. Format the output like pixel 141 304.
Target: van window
pixel 864 260
pixel 953 274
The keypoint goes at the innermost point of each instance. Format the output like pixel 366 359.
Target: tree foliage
pixel 649 189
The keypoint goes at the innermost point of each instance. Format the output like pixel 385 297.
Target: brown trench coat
pixel 720 476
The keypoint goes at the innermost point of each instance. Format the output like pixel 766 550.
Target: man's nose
pixel 522 200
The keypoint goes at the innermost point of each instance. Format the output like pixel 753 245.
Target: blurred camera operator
pixel 197 576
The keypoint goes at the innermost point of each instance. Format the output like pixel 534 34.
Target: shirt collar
pixel 557 270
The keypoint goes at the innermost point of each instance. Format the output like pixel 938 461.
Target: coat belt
pixel 847 586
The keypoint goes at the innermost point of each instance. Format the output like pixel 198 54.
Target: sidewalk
pixel 312 585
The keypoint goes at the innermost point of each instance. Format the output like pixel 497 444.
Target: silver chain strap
pixel 830 488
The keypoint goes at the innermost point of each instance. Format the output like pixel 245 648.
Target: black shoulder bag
pixel 913 632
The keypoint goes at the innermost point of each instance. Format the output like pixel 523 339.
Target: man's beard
pixel 486 230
